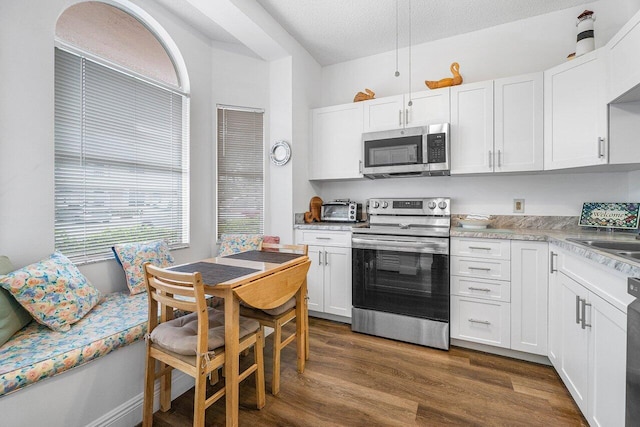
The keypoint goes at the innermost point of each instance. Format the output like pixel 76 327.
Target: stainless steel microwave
pixel 419 151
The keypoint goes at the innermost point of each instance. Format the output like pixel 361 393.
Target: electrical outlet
pixel 518 205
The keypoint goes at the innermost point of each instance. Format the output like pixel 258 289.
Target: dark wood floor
pixel 353 379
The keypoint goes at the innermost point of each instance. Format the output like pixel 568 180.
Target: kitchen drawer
pixel 481 268
pixel 481 248
pixel 323 238
pixel 494 290
pixel 482 321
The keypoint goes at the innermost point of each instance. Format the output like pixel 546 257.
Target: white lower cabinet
pixel 499 293
pixel 329 277
pixel 587 337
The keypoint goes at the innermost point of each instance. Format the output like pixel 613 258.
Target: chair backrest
pixel 168 290
pixel 275 289
pixel 279 247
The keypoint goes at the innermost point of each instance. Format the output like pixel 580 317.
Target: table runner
pixel 214 273
pixel 262 256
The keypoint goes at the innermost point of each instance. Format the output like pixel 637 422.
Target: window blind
pixel 240 207
pixel 121 160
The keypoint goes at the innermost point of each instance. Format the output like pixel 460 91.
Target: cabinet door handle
pixel 481 248
pixel 578 300
pixel 399 117
pixel 323 238
pixel 490 159
pixel 584 313
pixel 484 322
pixel 499 158
pixel 406 116
pixel 319 257
pixel 479 268
pixel 552 268
pixel 600 147
pixel 471 288
pixel 326 258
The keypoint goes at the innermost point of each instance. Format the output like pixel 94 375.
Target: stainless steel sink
pixel 629 250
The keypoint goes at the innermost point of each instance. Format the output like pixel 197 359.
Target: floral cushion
pixel 36 352
pixel 53 291
pixel 12 316
pixel 132 257
pixel 235 243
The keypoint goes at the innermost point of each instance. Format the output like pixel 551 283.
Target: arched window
pixel 121 133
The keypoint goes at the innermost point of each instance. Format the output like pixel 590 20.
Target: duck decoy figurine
pixel 456 80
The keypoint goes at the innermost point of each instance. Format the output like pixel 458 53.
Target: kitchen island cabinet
pixel 329 277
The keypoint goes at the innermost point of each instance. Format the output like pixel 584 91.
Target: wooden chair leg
pixel 199 398
pixel 277 343
pixel 147 413
pixel 306 330
pixel 165 389
pixel 258 350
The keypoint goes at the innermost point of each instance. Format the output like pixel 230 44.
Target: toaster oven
pixel 341 211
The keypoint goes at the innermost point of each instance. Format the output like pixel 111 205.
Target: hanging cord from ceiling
pixel 410 100
pixel 397 73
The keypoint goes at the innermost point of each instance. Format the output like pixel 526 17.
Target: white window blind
pixel 121 160
pixel 240 171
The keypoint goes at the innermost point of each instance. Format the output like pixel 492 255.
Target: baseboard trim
pixel 514 354
pixel 130 412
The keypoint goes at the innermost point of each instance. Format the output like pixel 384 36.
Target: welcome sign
pixel 610 215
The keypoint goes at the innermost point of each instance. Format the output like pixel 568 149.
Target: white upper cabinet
pixel 394 112
pixel 624 61
pixel 518 123
pixel 575 125
pixel 336 142
pixel 472 128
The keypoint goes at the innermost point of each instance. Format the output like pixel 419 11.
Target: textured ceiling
pixel 334 31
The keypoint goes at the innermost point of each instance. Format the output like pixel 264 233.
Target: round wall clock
pixel 280 153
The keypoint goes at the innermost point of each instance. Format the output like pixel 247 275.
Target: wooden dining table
pixel 232 278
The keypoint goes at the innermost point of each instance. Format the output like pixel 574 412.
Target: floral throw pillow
pixel 53 291
pixel 235 243
pixel 132 257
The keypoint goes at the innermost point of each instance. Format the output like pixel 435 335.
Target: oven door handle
pixel 433 247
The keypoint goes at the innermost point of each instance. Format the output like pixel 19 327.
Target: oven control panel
pixel 435 206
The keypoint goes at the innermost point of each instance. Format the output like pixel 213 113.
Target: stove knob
pixel 385 205
pixel 442 205
pixel 375 204
pixel 431 205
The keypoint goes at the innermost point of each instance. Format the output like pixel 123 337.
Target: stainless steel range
pixel 401 271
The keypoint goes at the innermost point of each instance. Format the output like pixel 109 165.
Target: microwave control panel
pixel 436 148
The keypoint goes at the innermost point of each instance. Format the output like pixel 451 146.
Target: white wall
pixel 544 194
pixel 27 131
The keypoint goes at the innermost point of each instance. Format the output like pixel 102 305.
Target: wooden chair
pixel 172 341
pixel 277 317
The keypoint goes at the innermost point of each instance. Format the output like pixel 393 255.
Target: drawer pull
pixel 479 268
pixel 479 289
pixel 484 322
pixel 481 248
pixel 323 238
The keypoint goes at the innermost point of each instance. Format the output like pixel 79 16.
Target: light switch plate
pixel 518 205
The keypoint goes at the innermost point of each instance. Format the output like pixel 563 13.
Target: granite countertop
pixel 559 238
pixel 330 226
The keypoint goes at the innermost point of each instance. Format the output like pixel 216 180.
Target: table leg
pixel 301 325
pixel 232 356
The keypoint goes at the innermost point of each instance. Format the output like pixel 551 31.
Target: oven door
pixel 402 275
